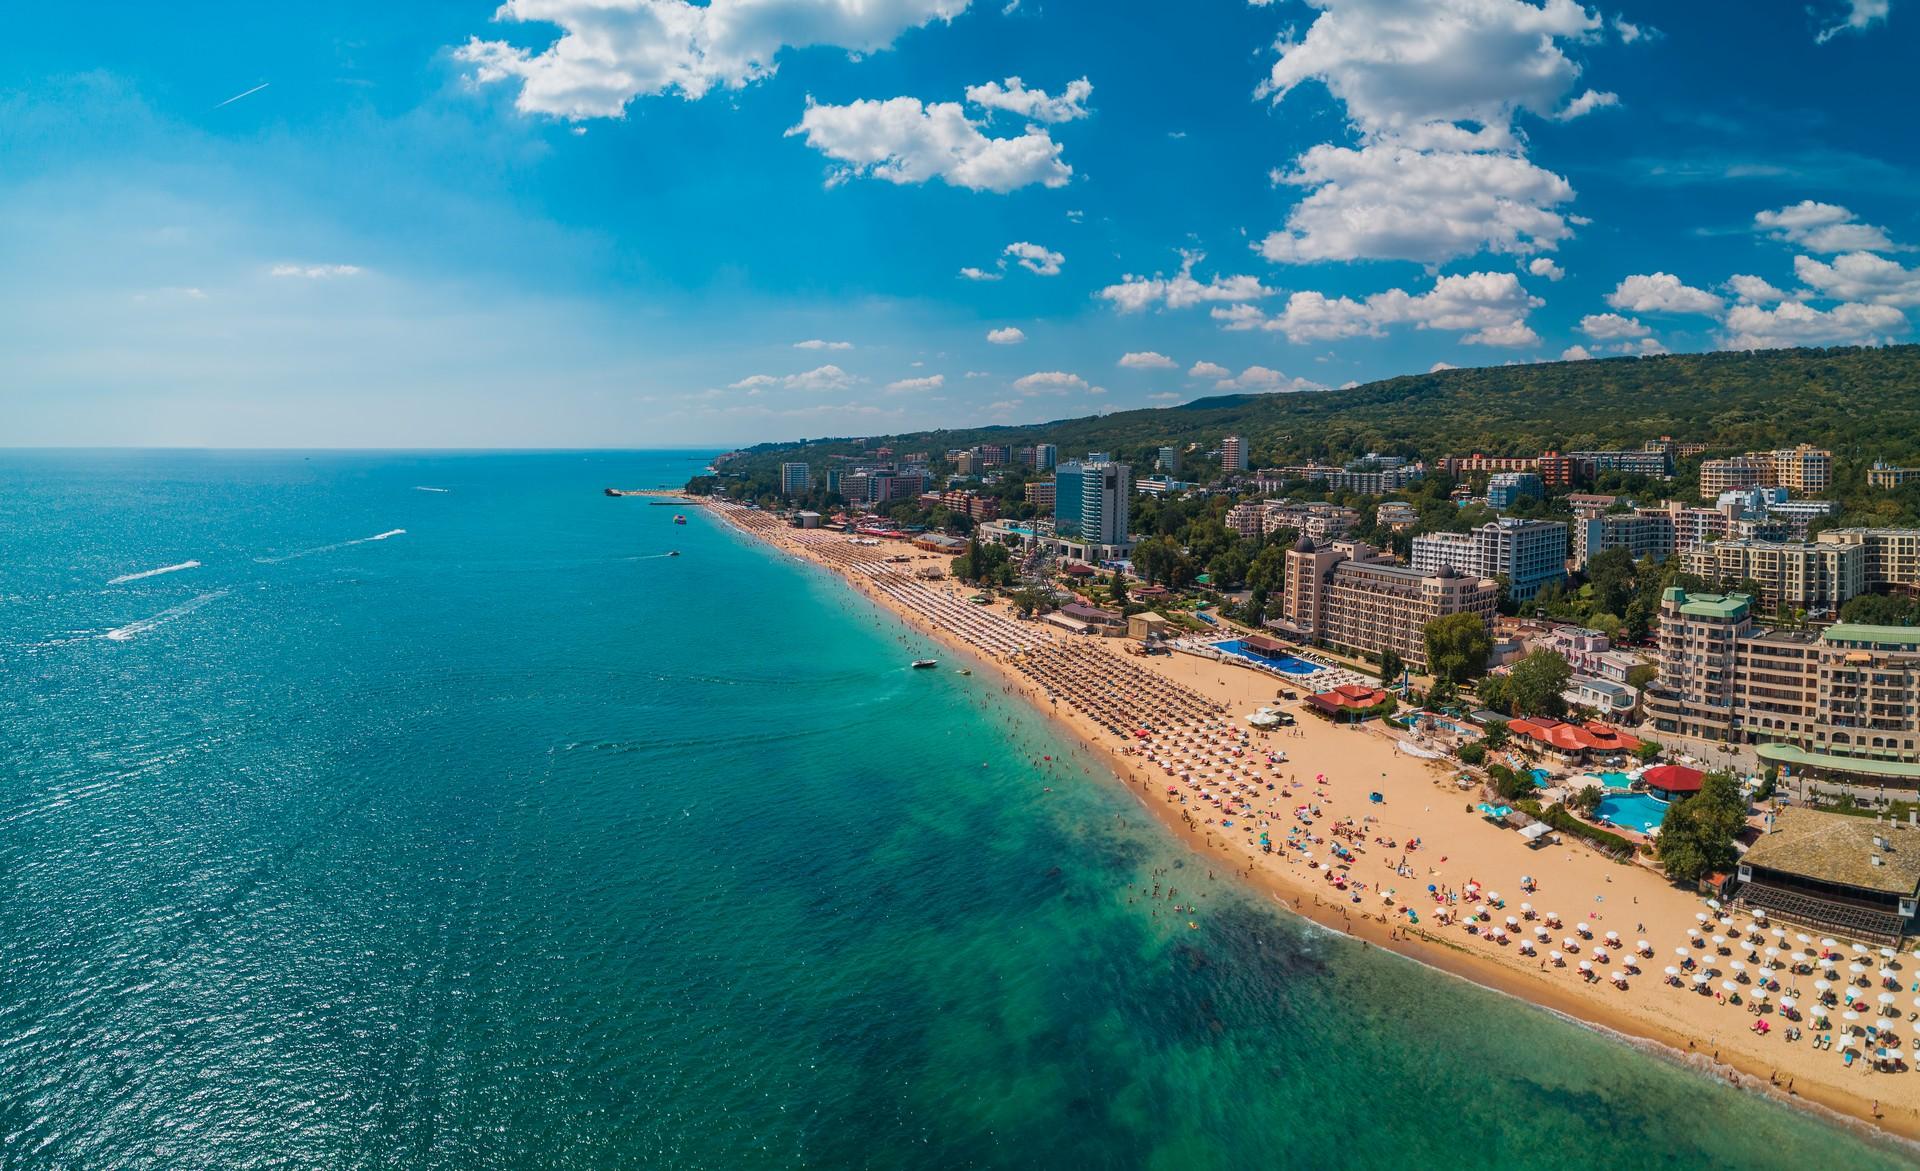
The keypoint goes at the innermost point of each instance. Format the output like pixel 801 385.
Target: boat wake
pixel 134 629
pixel 423 488
pixel 299 553
pixel 124 578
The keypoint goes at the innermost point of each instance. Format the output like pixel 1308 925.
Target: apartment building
pixel 1887 476
pixel 1233 454
pixel 795 478
pixel 1350 597
pixel 1039 493
pixel 1321 521
pixel 1640 534
pixel 1892 556
pixel 1528 553
pixel 1814 576
pixel 1504 489
pixel 1804 468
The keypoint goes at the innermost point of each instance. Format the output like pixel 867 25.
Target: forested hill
pixel 1862 403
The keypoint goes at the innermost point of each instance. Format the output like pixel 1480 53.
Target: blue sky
pixel 648 222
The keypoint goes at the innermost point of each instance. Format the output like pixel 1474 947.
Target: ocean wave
pixel 134 629
pixel 127 577
pixel 298 553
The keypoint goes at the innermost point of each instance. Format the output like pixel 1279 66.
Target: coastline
pixel 1731 1059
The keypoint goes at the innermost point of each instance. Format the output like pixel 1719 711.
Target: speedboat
pixel 673 552
pixel 923 664
pixel 679 518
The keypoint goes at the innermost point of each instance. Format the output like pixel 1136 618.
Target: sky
pixel 632 223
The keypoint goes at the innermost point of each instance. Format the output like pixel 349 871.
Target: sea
pixel 426 811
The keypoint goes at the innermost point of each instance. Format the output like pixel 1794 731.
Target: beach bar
pixel 1854 875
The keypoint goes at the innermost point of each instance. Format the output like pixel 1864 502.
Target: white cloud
pixel 1401 65
pixel 1036 259
pixel 1611 327
pixel 1437 367
pixel 1050 382
pixel 818 344
pixel 903 141
pixel 1016 98
pixel 1387 201
pixel 1860 276
pixel 820 378
pixel 1181 291
pixel 1662 292
pixel 1208 370
pixel 1544 266
pixel 1575 354
pixel 316 272
pixel 1753 327
pixel 930 382
pixel 1009 336
pixel 1265 379
pixel 1754 290
pixel 979 274
pixel 1861 15
pixel 1489 307
pixel 1147 360
pixel 1823 227
pixel 1587 103
pixel 610 52
pixel 1630 32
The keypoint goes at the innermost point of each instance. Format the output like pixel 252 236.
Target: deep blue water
pixel 508 841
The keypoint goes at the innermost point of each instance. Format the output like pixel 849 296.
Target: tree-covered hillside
pixel 1863 403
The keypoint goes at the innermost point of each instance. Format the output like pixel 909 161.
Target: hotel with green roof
pixel 1842 702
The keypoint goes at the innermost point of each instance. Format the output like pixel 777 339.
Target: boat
pixel 923 664
pixel 679 518
pixel 966 670
pixel 673 552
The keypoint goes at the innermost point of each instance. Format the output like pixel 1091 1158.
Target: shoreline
pixel 1898 1125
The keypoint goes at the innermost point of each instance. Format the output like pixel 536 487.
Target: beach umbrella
pixel 1861 948
pixel 1772 954
pixel 1681 952
pixel 1512 922
pixel 1789 1003
pixel 1779 932
pixel 1600 954
pixel 1737 966
pixel 1701 917
pixel 1829 944
pixel 1729 986
pixel 1556 957
pixel 1586 965
pixel 1822 987
pixel 1714 903
pixel 1583 929
pixel 1693 933
pixel 1758 994
pixel 1759 912
pixel 1619 977
pixel 1613 937
pixel 1643 947
pixel 1570 943
pixel 1886 998
pixel 1719 941
pixel 1672 972
pixel 1526 909
pixel 1887 953
pixel 1856 969
pixel 1700 979
pixel 1886 973
pixel 1849 1015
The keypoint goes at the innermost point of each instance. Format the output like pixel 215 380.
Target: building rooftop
pixel 1833 847
pixel 1892 636
pixel 1726 606
pixel 1794 756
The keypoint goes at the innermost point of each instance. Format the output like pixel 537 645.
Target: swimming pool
pixel 1633 810
pixel 1542 778
pixel 1615 780
pixel 1286 664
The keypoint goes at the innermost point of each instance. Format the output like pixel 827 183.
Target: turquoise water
pixel 1541 778
pixel 1286 664
pixel 510 842
pixel 1615 780
pixel 1633 810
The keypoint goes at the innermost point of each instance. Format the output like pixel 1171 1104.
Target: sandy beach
pixel 1334 855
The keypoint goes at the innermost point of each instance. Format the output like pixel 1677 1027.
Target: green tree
pixel 1496 694
pixel 1267 572
pixel 1458 646
pixel 1391 665
pixel 1586 800
pixel 1536 682
pixel 1472 752
pixel 1697 833
pixel 1638 677
pixel 1117 588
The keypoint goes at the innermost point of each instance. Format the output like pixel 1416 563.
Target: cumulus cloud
pixel 820 378
pixel 1265 379
pixel 1181 291
pixel 1575 354
pixel 1008 336
pixel 1400 65
pixel 1587 103
pixel 1611 327
pixel 904 141
pixel 1016 98
pixel 1050 382
pixel 818 344
pixel 1147 360
pixel 1433 88
pixel 1034 258
pixel 1437 367
pixel 1662 292
pixel 1754 290
pixel 1208 370
pixel 315 272
pixel 980 274
pixel 1861 16
pixel 1388 201
pixel 610 52
pixel 1823 227
pixel 904 385
pixel 1490 308
pixel 1544 266
pixel 1792 323
pixel 1860 276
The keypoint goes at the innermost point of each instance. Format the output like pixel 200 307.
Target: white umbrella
pixel 1789 1003
pixel 1512 922
pixel 1693 933
pixel 1570 943
pixel 1804 938
pixel 1583 929
pixel 1682 952
pixel 1719 941
pixel 1861 948
pixel 1729 986
pixel 1553 916
pixel 1714 903
pixel 1613 937
pixel 1600 954
pixel 1541 932
pixel 1643 947
pixel 1857 969
pixel 1673 971
pixel 1779 932
pixel 1556 957
pixel 1701 917
pixel 1888 953
pixel 1886 998
pixel 1822 986
pixel 1737 966
pixel 1526 909
pixel 1700 978
pixel 1586 965
pixel 1758 994
pixel 1619 977
pixel 1829 944
pixel 1760 912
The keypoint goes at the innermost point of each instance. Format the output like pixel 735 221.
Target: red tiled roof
pixel 1674 778
pixel 1594 737
pixel 1346 696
